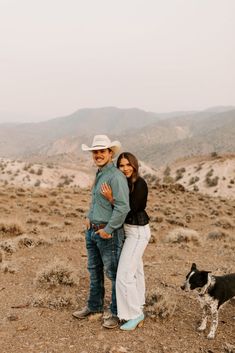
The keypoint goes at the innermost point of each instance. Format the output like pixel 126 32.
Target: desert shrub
pixel 167 171
pixel 68 223
pixel 53 203
pixel 43 241
pixel 27 166
pixel 50 165
pixel 26 242
pixel 182 235
pixel 224 223
pixel 8 246
pixel 40 171
pixel 179 173
pixel 67 238
pixel 32 171
pixel 212 181
pixel 32 221
pixel 37 183
pixel 152 179
pixel 56 274
pixel 210 173
pixel 44 223
pixel 81 209
pixel 56 303
pixel 8 267
pixel 217 235
pixel 160 304
pixel 193 180
pixel 11 228
pixel 195 188
pixel 168 180
pixel 214 154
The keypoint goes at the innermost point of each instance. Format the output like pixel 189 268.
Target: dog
pixel 213 291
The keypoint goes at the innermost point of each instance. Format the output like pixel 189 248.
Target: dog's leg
pixel 214 320
pixel 202 326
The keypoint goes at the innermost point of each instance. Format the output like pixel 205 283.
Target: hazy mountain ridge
pixel 207 134
pixel 155 138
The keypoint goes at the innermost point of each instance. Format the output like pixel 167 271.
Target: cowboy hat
pixel 101 142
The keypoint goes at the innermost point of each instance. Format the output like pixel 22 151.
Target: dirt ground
pixel 42 231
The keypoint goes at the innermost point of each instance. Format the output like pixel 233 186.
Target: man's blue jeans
pixel 103 256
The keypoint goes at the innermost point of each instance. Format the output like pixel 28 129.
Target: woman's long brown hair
pixel 135 165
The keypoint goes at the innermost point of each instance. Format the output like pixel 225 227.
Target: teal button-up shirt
pixel 101 210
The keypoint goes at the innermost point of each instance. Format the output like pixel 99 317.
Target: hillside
pixel 43 275
pixel 200 134
pixel 155 138
pixel 212 175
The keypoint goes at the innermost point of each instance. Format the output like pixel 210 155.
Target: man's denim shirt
pixel 101 210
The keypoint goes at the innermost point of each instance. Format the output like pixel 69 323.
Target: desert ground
pixel 43 275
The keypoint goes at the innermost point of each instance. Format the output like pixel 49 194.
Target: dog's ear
pixel 193 267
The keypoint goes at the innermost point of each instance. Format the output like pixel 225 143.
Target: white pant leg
pixel 140 280
pixel 130 284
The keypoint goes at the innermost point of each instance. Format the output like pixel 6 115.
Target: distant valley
pixel 189 144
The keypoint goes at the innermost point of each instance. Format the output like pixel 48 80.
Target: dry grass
pixel 8 228
pixel 183 235
pixel 57 302
pixel 8 246
pixel 8 267
pixel 217 235
pixel 225 223
pixel 159 304
pixel 56 274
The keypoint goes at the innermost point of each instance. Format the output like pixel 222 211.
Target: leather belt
pixel 96 227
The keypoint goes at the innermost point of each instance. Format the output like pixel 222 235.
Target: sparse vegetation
pixel 182 235
pixel 11 228
pixel 193 180
pixel 56 274
pixel 211 181
pixel 52 302
pixel 179 173
pixel 159 304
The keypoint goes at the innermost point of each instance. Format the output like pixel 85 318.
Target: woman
pixel 130 282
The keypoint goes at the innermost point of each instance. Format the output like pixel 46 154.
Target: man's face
pixel 102 157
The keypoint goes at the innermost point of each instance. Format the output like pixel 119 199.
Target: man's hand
pixel 87 223
pixel 103 234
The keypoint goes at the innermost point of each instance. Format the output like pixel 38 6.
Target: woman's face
pixel 126 167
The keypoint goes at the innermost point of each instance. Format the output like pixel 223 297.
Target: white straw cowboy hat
pixel 101 142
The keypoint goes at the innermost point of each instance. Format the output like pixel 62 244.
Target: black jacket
pixel 138 201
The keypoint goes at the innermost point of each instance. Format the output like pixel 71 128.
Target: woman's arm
pixel 106 191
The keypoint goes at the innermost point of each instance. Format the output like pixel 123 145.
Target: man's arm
pixel 121 206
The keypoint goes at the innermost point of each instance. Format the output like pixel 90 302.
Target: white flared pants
pixel 130 282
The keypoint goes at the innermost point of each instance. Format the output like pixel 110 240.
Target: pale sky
pixel 57 56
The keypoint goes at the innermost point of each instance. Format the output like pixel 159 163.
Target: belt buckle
pixel 94 227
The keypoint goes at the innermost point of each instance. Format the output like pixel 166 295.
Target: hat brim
pixel 115 146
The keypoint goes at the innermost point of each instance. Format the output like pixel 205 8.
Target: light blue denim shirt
pixel 101 210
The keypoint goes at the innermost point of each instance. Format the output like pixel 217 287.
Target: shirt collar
pixel 106 167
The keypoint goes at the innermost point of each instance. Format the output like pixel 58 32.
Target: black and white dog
pixel 213 292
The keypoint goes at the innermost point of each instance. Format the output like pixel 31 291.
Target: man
pixel 104 235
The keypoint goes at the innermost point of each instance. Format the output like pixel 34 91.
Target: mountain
pixel 20 140
pixel 195 134
pixel 155 138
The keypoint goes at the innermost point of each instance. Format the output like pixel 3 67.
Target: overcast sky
pixel 57 56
